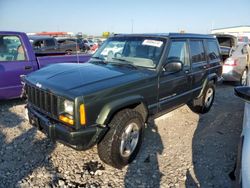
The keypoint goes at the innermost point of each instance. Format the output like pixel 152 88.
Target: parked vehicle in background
pixel 88 42
pixel 236 57
pixel 73 43
pixel 18 58
pixel 46 44
pixel 97 41
pixel 108 100
pixel 243 39
pixel 242 171
pixel 92 45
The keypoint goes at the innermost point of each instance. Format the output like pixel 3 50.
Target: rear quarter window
pixel 197 52
pixel 213 50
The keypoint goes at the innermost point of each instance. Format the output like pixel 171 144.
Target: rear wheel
pixel 205 102
pixel 244 78
pixel 122 142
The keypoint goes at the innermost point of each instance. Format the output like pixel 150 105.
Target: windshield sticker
pixel 155 43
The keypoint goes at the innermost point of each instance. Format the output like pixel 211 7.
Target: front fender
pixel 111 108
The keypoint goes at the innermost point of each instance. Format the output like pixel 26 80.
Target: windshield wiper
pixel 123 62
pixel 97 57
pixel 121 59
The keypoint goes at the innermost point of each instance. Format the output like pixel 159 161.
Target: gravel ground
pixel 180 149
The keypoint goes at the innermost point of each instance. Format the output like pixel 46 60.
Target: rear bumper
pixel 78 139
pixel 230 74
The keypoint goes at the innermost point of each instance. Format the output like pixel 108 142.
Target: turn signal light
pixel 82 114
pixel 66 119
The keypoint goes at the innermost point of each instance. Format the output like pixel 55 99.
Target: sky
pixel 94 17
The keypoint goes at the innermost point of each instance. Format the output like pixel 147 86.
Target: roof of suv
pixel 39 37
pixel 170 35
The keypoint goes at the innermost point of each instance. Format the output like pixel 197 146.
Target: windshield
pixel 138 51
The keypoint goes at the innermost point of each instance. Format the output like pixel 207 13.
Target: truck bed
pixel 46 60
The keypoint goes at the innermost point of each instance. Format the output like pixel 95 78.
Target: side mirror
pixel 173 66
pixel 243 92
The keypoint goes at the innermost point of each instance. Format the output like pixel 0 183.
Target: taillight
pixel 231 62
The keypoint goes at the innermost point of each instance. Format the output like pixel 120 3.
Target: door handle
pixel 204 66
pixel 28 68
pixel 186 71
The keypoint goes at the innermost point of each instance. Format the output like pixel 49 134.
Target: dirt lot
pixel 181 149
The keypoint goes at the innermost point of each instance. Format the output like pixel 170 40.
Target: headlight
pixel 66 112
pixel 69 107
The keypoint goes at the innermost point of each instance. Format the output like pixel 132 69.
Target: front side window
pixel 197 51
pixel 49 42
pixel 38 44
pixel 178 52
pixel 11 48
pixel 138 51
pixel 213 50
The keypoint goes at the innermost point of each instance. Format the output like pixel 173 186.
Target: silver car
pixel 243 160
pixel 236 57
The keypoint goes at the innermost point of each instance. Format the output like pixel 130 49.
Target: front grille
pixel 45 101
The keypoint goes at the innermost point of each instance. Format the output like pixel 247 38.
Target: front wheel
pixel 204 103
pixel 122 142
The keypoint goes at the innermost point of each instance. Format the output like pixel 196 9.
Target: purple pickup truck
pixel 18 58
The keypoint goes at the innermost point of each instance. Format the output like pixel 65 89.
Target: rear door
pixel 214 58
pixel 198 63
pixel 13 63
pixel 175 87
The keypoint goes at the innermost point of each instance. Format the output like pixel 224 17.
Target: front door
pixel 13 63
pixel 175 87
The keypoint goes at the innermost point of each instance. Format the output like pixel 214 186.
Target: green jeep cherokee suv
pixel 108 100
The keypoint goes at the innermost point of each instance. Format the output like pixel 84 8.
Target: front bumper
pixel 78 139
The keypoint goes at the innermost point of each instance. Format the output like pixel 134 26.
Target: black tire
pixel 244 78
pixel 203 104
pixel 109 149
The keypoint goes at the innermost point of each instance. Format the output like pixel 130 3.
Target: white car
pixel 112 49
pixel 242 171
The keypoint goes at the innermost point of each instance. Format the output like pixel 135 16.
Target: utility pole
pixel 132 25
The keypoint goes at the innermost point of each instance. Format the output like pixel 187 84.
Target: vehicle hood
pixel 70 77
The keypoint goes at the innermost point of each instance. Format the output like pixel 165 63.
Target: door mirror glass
pixel 243 92
pixel 173 66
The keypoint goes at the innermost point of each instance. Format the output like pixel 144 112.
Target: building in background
pixel 54 34
pixel 239 31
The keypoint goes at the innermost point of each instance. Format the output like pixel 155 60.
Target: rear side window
pixel 213 50
pixel 197 51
